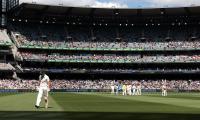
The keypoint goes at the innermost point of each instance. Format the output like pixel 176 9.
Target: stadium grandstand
pixel 96 50
pixel 77 43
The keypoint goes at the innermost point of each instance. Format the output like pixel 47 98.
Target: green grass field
pixel 101 106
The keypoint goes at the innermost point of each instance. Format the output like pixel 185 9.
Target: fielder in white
pixel 112 88
pixel 138 89
pixel 129 87
pixel 124 89
pixel 164 90
pixel 43 89
pixel 134 89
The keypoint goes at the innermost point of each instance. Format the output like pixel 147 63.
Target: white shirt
pixel 133 87
pixel 129 87
pixel 139 87
pixel 44 82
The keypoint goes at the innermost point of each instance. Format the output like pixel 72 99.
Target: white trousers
pixel 129 92
pixel 164 92
pixel 134 93
pixel 138 92
pixel 112 90
pixel 124 92
pixel 42 92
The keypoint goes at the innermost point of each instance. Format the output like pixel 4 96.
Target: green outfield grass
pixel 101 106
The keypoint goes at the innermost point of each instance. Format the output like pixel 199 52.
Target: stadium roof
pixel 31 10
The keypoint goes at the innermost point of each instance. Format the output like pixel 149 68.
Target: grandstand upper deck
pixel 105 38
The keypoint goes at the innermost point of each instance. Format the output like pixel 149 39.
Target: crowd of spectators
pixel 103 38
pixel 150 45
pixel 112 57
pixel 6 66
pixel 4 37
pixel 18 84
pixel 102 84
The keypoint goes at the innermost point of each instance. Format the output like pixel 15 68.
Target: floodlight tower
pixel 5 6
pixel 3 13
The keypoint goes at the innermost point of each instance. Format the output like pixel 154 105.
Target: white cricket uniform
pixel 164 90
pixel 129 89
pixel 43 89
pixel 116 89
pixel 112 89
pixel 134 90
pixel 138 90
pixel 124 90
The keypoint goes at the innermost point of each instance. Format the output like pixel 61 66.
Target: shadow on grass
pixel 94 116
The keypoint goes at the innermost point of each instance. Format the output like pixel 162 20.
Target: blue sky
pixel 119 3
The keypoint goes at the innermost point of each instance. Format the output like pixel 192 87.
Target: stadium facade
pixel 99 43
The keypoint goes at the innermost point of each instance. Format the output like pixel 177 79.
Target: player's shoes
pixel 37 106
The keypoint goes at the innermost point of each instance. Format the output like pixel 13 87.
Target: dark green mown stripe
pixel 94 116
pixel 95 103
pixel 181 96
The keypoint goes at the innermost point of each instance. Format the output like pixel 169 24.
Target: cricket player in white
pixel 164 90
pixel 44 88
pixel 129 89
pixel 112 88
pixel 134 89
pixel 116 89
pixel 138 89
pixel 123 89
